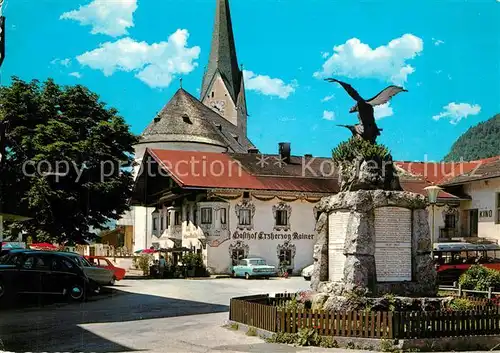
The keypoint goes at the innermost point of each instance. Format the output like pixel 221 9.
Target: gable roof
pixel 211 170
pixel 223 53
pixel 485 169
pixel 185 118
pixel 448 173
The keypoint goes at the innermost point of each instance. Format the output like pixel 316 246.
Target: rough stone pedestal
pixel 366 221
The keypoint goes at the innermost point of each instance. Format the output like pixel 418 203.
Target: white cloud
pixel 155 64
pixel 457 111
pixel 111 17
pixel 76 74
pixel 64 62
pixel 328 115
pixel 268 86
pixel 355 59
pixel 325 55
pixel 383 111
pixel 327 98
pixel 437 42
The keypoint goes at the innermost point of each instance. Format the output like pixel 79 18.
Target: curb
pixel 207 278
pixel 263 334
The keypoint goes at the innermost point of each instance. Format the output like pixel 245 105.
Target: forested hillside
pixel 480 141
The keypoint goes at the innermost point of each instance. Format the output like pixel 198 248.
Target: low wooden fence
pixel 264 312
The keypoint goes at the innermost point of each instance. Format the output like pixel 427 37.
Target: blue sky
pixel 133 52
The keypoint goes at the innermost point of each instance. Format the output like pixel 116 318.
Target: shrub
pixel 478 277
pixel 308 337
pixel 144 262
pixel 282 337
pixel 355 148
pixel 251 331
pixel 328 342
pixel 291 305
pixel 461 304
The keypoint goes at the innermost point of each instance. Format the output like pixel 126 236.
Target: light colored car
pixel 99 275
pixel 253 267
pixel 307 272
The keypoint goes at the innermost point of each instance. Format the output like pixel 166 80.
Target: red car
pixel 100 261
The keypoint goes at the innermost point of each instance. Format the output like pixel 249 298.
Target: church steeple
pixel 223 58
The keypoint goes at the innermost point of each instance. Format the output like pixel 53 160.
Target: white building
pixel 474 214
pixel 478 214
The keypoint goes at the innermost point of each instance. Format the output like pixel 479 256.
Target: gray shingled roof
pixel 186 119
pixel 223 53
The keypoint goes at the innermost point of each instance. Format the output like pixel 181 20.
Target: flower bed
pixel 294 313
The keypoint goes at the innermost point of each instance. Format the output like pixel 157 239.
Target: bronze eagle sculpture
pixel 367 128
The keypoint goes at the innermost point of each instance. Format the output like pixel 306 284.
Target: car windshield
pixel 257 262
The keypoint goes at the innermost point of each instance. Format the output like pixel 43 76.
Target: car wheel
pixel 77 292
pixel 113 281
pixel 247 276
pixel 267 277
pixel 233 274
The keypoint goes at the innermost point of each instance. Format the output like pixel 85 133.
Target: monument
pixel 373 237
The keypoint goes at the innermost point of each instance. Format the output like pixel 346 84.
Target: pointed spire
pixel 223 53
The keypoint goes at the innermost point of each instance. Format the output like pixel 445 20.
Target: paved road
pixel 174 316
pixel 145 315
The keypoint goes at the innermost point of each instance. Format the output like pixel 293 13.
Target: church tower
pixel 223 88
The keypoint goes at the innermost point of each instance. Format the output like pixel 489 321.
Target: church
pixel 200 183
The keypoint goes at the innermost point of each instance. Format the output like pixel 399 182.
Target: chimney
pixel 285 151
pixel 253 150
pixel 308 155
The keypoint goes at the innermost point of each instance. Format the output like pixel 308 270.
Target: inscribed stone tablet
pixel 393 244
pixel 337 228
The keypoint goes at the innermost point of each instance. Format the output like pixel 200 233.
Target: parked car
pixel 102 276
pixel 102 262
pixel 42 272
pixel 253 267
pixel 307 272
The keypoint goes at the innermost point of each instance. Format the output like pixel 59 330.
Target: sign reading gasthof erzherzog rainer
pixel 393 259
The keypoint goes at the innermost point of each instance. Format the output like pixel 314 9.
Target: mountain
pixel 480 141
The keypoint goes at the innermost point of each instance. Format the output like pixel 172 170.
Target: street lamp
pixel 432 195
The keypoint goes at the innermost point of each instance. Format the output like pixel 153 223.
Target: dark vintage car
pixel 42 272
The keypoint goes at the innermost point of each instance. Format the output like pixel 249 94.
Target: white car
pixel 307 272
pixel 99 275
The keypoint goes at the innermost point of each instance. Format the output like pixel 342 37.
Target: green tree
pixel 480 141
pixel 64 154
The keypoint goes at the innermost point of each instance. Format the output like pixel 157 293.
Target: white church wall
pixel 218 96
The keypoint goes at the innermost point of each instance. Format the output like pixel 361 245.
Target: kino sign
pixel 486 214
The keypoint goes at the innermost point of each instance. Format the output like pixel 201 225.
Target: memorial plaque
pixel 337 228
pixel 393 258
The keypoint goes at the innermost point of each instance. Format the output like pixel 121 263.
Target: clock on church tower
pixel 218 106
